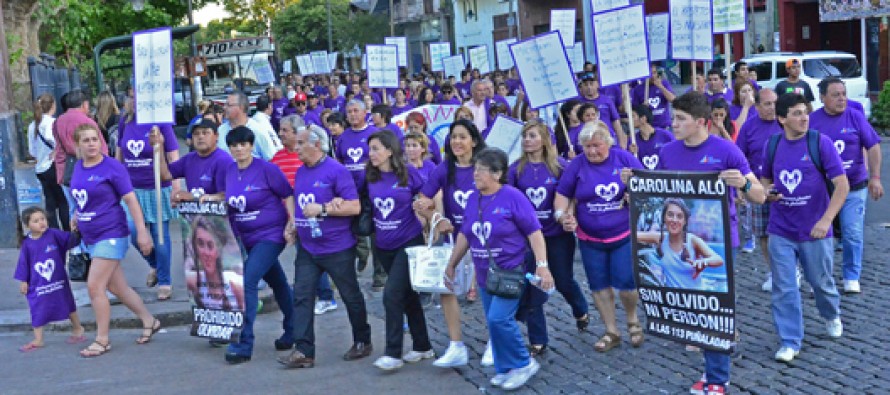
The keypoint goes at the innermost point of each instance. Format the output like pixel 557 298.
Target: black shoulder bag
pixel 505 283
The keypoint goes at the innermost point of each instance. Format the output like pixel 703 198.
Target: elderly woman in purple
pixel 98 184
pixel 498 225
pixel 602 223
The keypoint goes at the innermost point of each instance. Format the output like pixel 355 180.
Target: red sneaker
pixel 716 389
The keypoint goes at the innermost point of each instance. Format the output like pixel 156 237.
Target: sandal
pixel 582 323
pixel 95 349
pixel 30 347
pixel 635 330
pixel 472 295
pixel 607 342
pixel 165 292
pixel 145 339
pixel 152 279
pixel 536 349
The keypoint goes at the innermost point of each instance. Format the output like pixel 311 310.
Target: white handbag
pixel 427 264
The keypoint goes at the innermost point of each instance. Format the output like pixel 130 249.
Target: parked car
pixel 817 65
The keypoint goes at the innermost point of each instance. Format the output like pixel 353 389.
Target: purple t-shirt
pixel 714 154
pixel 463 88
pixel 453 100
pixel 507 220
pixel 660 106
pixel 352 152
pixel 395 130
pixel 735 110
pixel 539 185
pixel 254 196
pixel 138 154
pixel 98 191
pixel 804 193
pixel 426 170
pixel 598 189
pixel 320 184
pixel 608 112
pixel 574 131
pixel 394 218
pixel 203 174
pixel 454 196
pixel 396 110
pixel 648 149
pixel 850 132
pixel 753 137
pixel 42 265
pixel 726 95
pixel 279 110
pixel 336 104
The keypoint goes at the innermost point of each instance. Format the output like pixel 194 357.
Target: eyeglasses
pixel 447 92
pixel 301 103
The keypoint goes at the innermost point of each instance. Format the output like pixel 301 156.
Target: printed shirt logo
pixel 839 145
pixel 135 147
pixel 355 153
pixel 51 248
pixel 482 231
pixel 461 198
pixel 239 202
pixel 305 198
pixel 536 195
pixel 791 179
pixel 81 196
pixel 650 161
pixel 385 206
pixel 608 191
pixel 197 192
pixel 205 177
pixel 45 269
pixel 709 159
pixel 654 102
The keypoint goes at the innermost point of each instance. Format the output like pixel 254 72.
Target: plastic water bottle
pixel 314 229
pixel 535 280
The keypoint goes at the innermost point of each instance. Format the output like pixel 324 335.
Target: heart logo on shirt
pixel 482 231
pixel 790 179
pixel 135 147
pixel 355 153
pixel 461 198
pixel 239 202
pixel 839 146
pixel 197 192
pixel 536 195
pixel 305 198
pixel 607 192
pixel 385 206
pixel 654 102
pixel 650 161
pixel 80 195
pixel 45 269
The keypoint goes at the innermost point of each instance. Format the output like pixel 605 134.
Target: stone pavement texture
pixel 856 363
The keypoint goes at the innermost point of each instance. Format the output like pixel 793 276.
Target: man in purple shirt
pixel 590 93
pixel 800 224
pixel 661 94
pixel 851 134
pixel 335 102
pixel 716 87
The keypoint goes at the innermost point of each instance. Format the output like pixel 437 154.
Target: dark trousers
pixel 561 259
pixel 399 300
pixel 56 204
pixel 340 267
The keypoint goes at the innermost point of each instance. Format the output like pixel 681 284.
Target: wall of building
pixel 475 31
pixel 534 15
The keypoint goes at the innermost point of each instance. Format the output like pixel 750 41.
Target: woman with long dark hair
pixel 568 123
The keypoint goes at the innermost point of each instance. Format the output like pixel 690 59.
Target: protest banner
pixel 320 62
pixel 263 71
pixel 728 16
pixel 845 10
pixel 479 59
pixel 438 52
pixel 288 66
pixel 332 60
pixel 304 62
pixel 364 61
pixel 153 77
pixel 383 70
pixel 598 6
pixel 563 21
pixel 453 65
pixel 506 134
pixel 657 26
pixel 402 44
pixel 544 70
pixel 691 30
pixel 213 266
pixel 502 50
pixel 620 37
pixel 576 56
pixel 438 119
pixel 683 256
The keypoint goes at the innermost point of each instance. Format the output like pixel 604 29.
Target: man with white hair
pixel 479 103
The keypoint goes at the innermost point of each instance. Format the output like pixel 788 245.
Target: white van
pixel 770 68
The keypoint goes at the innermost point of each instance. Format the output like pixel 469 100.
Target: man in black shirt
pixel 794 84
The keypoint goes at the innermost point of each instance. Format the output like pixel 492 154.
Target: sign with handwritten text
pixel 304 62
pixel 620 37
pixel 563 21
pixel 544 69
pixel 506 134
pixel 657 33
pixel 320 62
pixel 288 66
pixel 502 49
pixel 479 59
pixel 453 65
pixel 728 16
pixel 383 68
pixel 691 30
pixel 605 5
pixel 263 71
pixel 438 51
pixel 153 76
pixel 402 44
pixel 332 60
pixel 576 56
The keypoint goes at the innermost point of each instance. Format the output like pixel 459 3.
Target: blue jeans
pixel 852 218
pixel 262 263
pixel 717 363
pixel 531 307
pixel 608 265
pixel 816 260
pixel 561 258
pixel 159 258
pixel 507 345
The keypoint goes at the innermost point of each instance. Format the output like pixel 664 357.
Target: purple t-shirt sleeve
pixel 345 187
pixel 613 113
pixel 867 133
pixel 831 161
pixel 567 185
pixel 170 142
pixel 435 182
pixel 177 169
pixel 278 182
pixel 22 268
pixel 119 179
pixel 737 160
pixel 525 218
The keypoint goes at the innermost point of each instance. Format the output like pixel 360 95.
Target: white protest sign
pixel 544 69
pixel 479 59
pixel 563 21
pixel 453 65
pixel 502 49
pixel 576 56
pixel 402 44
pixel 438 51
pixel 153 76
pixel 364 61
pixel 304 62
pixel 506 134
pixel 383 68
pixel 620 45
pixel 657 32
pixel 438 120
pixel 263 71
pixel 320 62
pixel 332 60
pixel 288 66
pixel 691 30
pixel 606 5
pixel 728 16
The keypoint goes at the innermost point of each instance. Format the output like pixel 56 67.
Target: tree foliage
pixel 880 112
pixel 303 27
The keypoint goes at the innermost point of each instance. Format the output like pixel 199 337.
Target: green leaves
pixel 302 27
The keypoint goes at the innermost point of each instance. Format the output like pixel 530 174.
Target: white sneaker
pixel 455 355
pixel 324 306
pixel 852 286
pixel 488 356
pixel 835 328
pixel 768 284
pixel 388 363
pixel 786 354
pixel 416 356
pixel 499 379
pixel 518 377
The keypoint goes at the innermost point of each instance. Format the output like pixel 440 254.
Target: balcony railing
pixel 415 10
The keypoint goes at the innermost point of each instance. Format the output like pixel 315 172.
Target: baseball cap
pixel 792 62
pixel 300 97
pixel 588 76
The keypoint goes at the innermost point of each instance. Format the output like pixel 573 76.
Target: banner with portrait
pixel 683 256
pixel 214 271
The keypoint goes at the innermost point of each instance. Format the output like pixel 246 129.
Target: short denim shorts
pixel 115 248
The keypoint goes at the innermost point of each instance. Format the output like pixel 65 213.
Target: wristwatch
pixel 541 264
pixel 747 186
pixel 324 211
